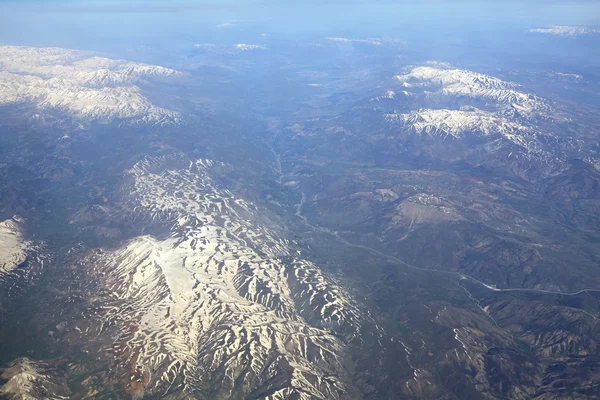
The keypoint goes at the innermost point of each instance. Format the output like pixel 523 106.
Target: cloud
pixel 374 42
pixel 565 31
pixel 249 47
pixel 370 41
pixel 230 49
pixel 229 24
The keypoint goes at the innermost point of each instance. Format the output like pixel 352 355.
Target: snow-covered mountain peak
pixel 438 83
pixel 13 246
pixel 481 114
pixel 27 379
pixel 454 77
pixel 223 298
pixel 83 86
pixel 455 123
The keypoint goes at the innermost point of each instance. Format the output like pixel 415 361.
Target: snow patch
pixel 13 247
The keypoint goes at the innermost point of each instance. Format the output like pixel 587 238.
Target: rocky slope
pixel 27 379
pixel 455 167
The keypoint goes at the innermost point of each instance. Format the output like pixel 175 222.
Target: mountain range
pixel 354 226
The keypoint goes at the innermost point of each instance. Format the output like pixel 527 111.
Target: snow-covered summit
pixel 464 84
pixel 455 123
pixel 85 87
pixel 13 246
pixel 223 297
pixel 28 379
pixel 484 117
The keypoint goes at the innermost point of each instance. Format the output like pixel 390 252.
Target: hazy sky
pixel 94 24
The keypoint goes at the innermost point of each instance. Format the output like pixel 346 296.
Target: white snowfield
pixel 223 297
pixel 566 31
pixel 456 123
pixel 509 111
pixel 460 83
pixel 84 86
pixel 13 247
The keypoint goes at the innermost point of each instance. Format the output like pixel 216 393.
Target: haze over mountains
pixel 346 215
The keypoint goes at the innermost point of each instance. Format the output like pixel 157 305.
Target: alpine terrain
pixel 228 212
